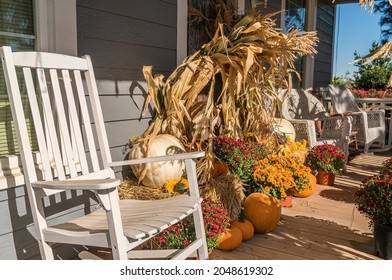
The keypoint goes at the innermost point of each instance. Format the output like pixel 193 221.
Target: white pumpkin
pixel 284 126
pixel 160 172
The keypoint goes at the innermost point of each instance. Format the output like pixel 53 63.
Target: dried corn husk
pixel 229 86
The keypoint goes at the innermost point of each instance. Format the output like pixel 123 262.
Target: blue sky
pixel 357 30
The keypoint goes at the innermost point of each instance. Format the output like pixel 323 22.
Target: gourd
pixel 246 227
pixel 157 173
pixel 230 239
pixel 218 168
pixel 179 186
pixel 311 190
pixel 262 211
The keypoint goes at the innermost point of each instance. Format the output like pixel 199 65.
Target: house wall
pixel 17 240
pixel 121 37
pixel 325 32
pixel 271 7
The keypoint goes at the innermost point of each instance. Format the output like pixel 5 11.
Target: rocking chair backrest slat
pixel 46 168
pixel 57 99
pixel 86 120
pixel 68 159
pixel 97 113
pixel 79 152
pixel 50 124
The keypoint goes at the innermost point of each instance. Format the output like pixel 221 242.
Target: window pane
pixel 17 16
pixel 294 17
pixel 17 31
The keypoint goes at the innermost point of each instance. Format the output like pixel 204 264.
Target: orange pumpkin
pixel 246 228
pixel 311 190
pixel 230 240
pixel 218 168
pixel 263 211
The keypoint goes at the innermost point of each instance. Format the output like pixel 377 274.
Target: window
pixel 294 17
pixel 16 30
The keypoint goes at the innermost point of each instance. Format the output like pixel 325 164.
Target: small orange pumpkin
pixel 246 228
pixel 230 240
pixel 311 190
pixel 218 168
pixel 263 211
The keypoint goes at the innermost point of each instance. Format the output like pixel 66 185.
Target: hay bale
pixel 228 189
pixel 131 189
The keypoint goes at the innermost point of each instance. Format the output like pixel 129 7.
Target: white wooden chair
pixel 57 98
pixel 302 109
pixel 369 124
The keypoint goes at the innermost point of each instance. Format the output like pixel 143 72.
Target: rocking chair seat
pixel 141 219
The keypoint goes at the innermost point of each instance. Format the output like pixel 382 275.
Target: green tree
pixel 374 74
pixel 345 80
pixel 385 9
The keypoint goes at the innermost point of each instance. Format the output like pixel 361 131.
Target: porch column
pixel 311 19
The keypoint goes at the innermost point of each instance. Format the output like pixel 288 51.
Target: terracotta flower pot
pixel 287 202
pixel 324 178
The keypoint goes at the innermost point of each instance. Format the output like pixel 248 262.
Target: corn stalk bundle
pixel 228 87
pixel 228 189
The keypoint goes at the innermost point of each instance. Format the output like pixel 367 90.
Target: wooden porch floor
pixel 325 226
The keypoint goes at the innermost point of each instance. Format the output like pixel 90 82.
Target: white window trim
pixel 56 26
pixel 53 19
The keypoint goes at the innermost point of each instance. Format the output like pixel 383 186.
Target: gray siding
pixel 271 7
pixel 323 59
pixel 16 230
pixel 121 37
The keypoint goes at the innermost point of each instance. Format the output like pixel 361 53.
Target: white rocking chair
pixel 57 101
pixel 369 124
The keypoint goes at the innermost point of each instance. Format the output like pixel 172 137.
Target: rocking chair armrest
pixel 91 184
pixel 181 156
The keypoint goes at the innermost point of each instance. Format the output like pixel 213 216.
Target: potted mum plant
pixel 239 155
pixel 281 176
pixel 216 222
pixel 327 160
pixel 374 200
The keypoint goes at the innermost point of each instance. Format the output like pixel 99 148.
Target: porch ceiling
pixel 346 1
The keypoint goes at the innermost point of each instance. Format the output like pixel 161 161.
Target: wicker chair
pixel 302 109
pixel 369 124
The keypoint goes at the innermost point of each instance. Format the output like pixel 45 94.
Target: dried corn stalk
pixel 229 86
